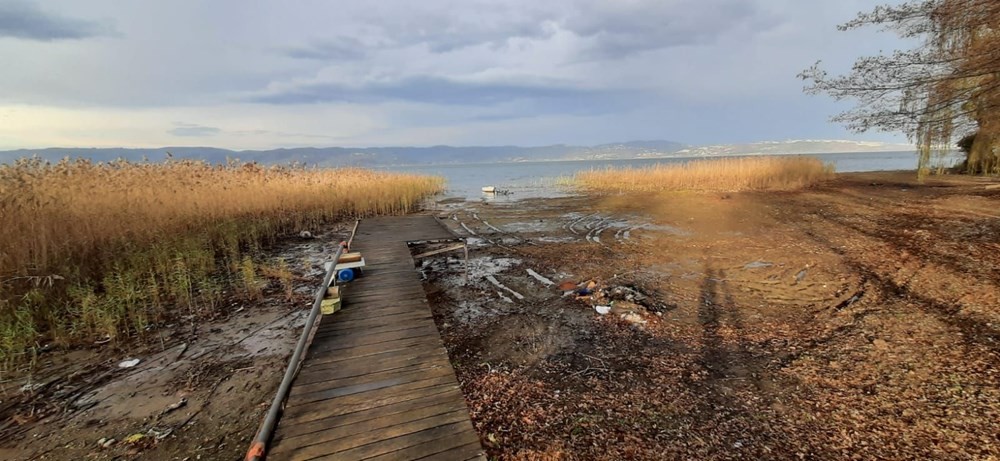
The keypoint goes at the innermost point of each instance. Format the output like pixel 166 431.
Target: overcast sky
pixel 240 74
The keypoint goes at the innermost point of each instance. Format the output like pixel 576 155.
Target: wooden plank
pixel 455 447
pixel 371 312
pixel 364 365
pixel 303 437
pixel 404 408
pixel 439 251
pixel 336 343
pixel 340 325
pixel 387 440
pixel 358 297
pixel 371 327
pixel 333 382
pixel 358 394
pixel 375 399
pixel 394 349
pixel 376 312
pixel 391 295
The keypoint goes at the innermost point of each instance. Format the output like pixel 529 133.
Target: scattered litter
pixel 159 435
pixel 106 442
pixel 129 363
pixel 633 318
pixel 305 234
pixel 624 293
pixel 567 285
pixel 134 438
pixel 603 310
pixel 175 406
pixel 801 275
pixel 496 282
pixel 540 278
pixel 587 288
pixel 758 264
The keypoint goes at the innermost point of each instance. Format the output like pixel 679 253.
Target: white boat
pixel 489 189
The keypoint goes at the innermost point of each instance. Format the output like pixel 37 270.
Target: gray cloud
pixel 193 130
pixel 619 29
pixel 452 25
pixel 341 48
pixel 24 20
pixel 544 97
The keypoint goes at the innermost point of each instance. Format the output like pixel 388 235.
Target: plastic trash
pixel 128 363
pixel 603 310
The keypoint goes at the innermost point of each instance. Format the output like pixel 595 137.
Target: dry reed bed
pixel 723 175
pixel 93 251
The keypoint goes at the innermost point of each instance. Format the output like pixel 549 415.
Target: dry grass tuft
pixel 91 251
pixel 724 174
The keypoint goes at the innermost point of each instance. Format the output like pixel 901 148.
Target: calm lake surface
pixel 542 179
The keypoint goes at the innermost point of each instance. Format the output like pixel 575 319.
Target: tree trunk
pixel 983 156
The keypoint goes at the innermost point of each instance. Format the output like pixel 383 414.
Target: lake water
pixel 543 179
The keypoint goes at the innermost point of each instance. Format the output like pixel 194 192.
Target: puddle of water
pixel 557 239
pixel 528 227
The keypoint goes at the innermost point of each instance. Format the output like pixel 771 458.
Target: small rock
pixel 880 344
pixel 106 443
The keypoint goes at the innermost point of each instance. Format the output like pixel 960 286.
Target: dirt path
pixel 199 390
pixel 860 319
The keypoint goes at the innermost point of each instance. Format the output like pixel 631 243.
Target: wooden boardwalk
pixel 376 383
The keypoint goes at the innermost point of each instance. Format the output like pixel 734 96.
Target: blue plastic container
pixel 345 275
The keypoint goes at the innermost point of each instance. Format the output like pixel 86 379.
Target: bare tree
pixel 947 86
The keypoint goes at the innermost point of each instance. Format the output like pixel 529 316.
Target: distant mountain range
pixel 394 156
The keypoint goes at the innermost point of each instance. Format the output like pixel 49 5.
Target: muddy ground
pixel 199 391
pixel 855 320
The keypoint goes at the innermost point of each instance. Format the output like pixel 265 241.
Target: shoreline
pixel 753 324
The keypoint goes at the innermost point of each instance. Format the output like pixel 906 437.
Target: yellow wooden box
pixel 329 306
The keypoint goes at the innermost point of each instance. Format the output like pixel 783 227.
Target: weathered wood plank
pixel 455 447
pixel 447 397
pixel 351 394
pixel 390 439
pixel 335 383
pixel 359 429
pixel 358 339
pixel 392 347
pixel 350 369
pixel 375 399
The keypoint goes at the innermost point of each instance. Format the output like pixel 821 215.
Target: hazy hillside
pixel 793 147
pixel 370 156
pixel 385 156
